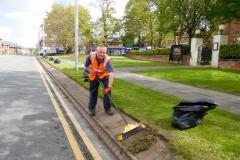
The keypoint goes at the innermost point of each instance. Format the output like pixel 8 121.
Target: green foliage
pixel 226 10
pixel 107 24
pixel 185 16
pixel 139 23
pixel 186 49
pixel 230 52
pixel 161 51
pixel 59 25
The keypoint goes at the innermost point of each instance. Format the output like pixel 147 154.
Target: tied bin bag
pixel 190 114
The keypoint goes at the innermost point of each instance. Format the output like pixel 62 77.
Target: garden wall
pixel 230 57
pixel 159 58
pixel 230 64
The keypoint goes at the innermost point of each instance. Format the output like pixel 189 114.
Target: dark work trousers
pixel 94 85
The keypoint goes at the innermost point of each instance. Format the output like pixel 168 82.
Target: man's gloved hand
pixel 106 91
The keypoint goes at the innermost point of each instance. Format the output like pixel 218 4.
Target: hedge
pixel 161 51
pixel 186 49
pixel 229 52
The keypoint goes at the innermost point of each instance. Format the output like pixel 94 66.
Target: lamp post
pixel 43 36
pixel 197 32
pixel 43 44
pixel 238 39
pixel 221 28
pixel 76 35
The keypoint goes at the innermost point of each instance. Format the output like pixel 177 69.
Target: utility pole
pixel 43 43
pixel 76 35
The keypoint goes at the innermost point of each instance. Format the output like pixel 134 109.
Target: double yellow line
pixel 72 140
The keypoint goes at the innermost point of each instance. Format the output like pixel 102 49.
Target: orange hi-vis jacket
pixel 99 68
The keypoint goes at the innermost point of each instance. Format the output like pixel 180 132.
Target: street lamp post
pixel 238 39
pixel 76 35
pixel 197 33
pixel 221 28
pixel 43 43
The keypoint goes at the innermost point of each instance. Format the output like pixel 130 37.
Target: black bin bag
pixel 190 114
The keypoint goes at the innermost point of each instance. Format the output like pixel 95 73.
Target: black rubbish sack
pixel 56 60
pixel 190 114
pixel 86 75
pixel 51 59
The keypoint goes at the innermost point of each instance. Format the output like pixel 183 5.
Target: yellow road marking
pixel 80 130
pixel 73 142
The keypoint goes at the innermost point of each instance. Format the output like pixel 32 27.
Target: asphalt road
pixel 29 126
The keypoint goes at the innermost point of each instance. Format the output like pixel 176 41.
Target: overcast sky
pixel 20 19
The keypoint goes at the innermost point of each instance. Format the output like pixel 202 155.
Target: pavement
pixel 227 102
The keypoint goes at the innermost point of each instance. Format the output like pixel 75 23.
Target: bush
pixel 229 52
pixel 161 51
pixel 186 49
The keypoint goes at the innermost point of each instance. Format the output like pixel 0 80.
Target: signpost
pixel 176 53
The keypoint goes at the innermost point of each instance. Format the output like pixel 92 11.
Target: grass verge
pixel 118 61
pixel 222 80
pixel 217 138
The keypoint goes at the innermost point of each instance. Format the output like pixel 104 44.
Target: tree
pixel 167 21
pixel 139 22
pixel 108 25
pixel 59 25
pixel 186 15
pixel 226 10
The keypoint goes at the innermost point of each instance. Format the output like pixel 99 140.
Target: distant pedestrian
pixel 100 69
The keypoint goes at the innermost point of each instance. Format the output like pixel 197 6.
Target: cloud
pixel 20 20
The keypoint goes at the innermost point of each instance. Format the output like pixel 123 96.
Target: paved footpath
pixel 225 101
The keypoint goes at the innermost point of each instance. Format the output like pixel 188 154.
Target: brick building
pixel 233 31
pixel 8 47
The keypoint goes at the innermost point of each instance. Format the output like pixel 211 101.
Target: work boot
pixel 109 112
pixel 91 113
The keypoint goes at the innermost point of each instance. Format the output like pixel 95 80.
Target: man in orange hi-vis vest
pixel 99 66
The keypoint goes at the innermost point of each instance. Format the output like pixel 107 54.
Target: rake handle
pixel 117 108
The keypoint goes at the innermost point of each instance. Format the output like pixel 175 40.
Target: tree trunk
pixel 190 38
pixel 160 39
pixel 139 41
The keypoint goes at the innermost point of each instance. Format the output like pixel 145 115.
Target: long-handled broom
pixel 130 129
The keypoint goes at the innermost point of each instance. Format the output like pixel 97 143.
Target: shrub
pixel 186 49
pixel 165 51
pixel 229 52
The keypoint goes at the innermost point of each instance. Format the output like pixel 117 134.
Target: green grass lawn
pixel 222 80
pixel 118 61
pixel 217 138
pixel 122 61
pixel 70 57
